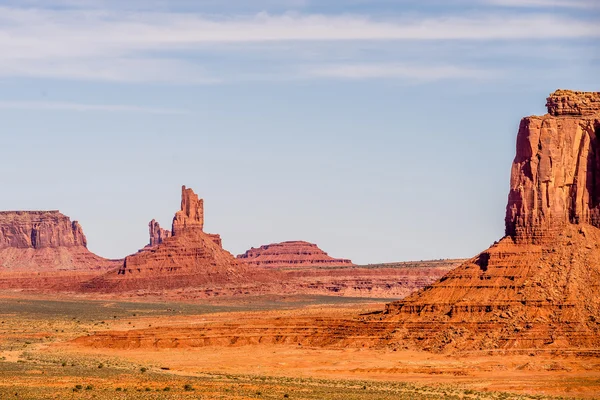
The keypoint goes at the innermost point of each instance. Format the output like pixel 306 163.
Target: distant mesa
pixel 43 241
pixel 183 257
pixel 538 286
pixel 291 254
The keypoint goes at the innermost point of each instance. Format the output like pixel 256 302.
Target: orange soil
pixel 298 343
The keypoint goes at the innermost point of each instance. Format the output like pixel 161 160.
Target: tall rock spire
pixel 191 215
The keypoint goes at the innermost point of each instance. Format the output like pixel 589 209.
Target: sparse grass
pixel 95 377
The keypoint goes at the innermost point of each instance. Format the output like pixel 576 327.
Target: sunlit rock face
pixel 44 241
pixel 537 288
pixel 555 177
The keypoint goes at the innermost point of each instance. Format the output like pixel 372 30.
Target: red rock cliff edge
pixel 537 288
pixel 45 241
pixel 555 177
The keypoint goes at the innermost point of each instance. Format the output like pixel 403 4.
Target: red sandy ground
pixel 277 343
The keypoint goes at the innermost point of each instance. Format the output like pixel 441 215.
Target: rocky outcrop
pixel 537 287
pixel 188 257
pixel 157 234
pixel 39 229
pixel 569 102
pixel 45 240
pixel 292 254
pixel 555 177
pixel 191 216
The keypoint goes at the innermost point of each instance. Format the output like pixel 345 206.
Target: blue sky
pixel 382 130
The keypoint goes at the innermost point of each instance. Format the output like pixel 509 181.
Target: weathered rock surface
pixel 39 229
pixel 569 102
pixel 290 254
pixel 157 234
pixel 43 241
pixel 555 177
pixel 191 216
pixel 537 287
pixel 187 257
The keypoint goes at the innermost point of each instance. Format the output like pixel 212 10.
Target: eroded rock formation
pixel 45 240
pixel 538 286
pixel 38 229
pixel 555 178
pixel 157 234
pixel 290 254
pixel 187 257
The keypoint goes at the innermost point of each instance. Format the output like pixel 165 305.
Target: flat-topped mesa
pixel 191 215
pixel 43 241
pixel 39 229
pixel 290 254
pixel 157 234
pixel 569 102
pixel 555 177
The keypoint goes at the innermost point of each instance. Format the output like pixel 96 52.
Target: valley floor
pixel 257 348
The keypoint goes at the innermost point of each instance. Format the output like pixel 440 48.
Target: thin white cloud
pixel 545 3
pixel 68 106
pixel 163 47
pixel 407 72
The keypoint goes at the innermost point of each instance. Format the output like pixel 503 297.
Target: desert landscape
pixel 184 318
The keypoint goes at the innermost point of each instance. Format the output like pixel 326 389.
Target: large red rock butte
pixel 555 178
pixel 538 286
pixel 184 257
pixel 290 254
pixel 43 241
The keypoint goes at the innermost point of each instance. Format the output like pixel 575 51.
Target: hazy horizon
pixel 380 130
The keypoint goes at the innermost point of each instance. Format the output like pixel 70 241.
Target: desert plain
pixel 258 348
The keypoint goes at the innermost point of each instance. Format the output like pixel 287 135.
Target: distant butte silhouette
pixel 37 241
pixel 290 254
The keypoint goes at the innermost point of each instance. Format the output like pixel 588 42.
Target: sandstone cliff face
pixel 537 287
pixel 290 254
pixel 191 215
pixel 555 177
pixel 186 257
pixel 43 241
pixel 39 229
pixel 157 234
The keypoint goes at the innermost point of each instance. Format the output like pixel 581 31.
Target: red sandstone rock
pixel 290 254
pixel 188 257
pixel 569 102
pixel 191 215
pixel 538 286
pixel 157 234
pixel 39 229
pixel 45 240
pixel 555 178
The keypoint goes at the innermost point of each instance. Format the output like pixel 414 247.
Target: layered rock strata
pixel 186 257
pixel 538 286
pixel 157 234
pixel 44 241
pixel 555 177
pixel 292 254
pixel 39 229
